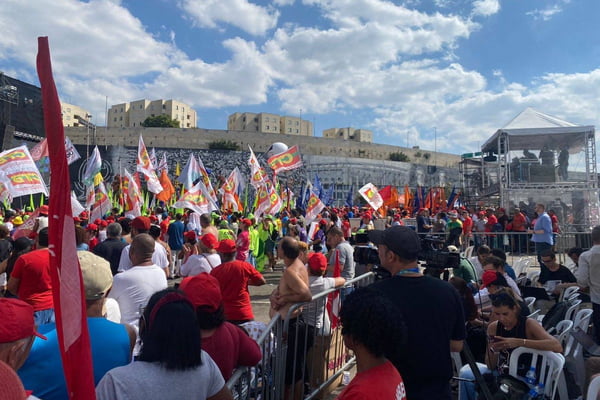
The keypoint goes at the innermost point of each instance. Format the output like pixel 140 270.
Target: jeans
pixel 42 317
pixel 467 390
pixel 540 247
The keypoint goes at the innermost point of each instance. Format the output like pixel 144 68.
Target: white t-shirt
pixel 133 288
pixel 142 380
pixel 159 257
pixel 198 263
pixel 314 312
pixel 477 265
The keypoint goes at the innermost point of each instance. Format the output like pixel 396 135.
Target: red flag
pixel 67 284
pixel 333 299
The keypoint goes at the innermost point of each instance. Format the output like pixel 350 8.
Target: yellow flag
pixel 98 179
pixel 177 169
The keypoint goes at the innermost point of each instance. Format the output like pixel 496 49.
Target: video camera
pixel 433 254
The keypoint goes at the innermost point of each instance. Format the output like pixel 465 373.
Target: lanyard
pixel 408 271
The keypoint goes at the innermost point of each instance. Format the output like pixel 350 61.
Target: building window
pixel 120 118
pixel 115 119
pixel 297 123
pixel 164 106
pixel 296 130
pixel 134 124
pixel 290 130
pixel 176 107
pixel 188 116
pixel 121 109
pixel 141 106
pixel 289 122
pixel 268 127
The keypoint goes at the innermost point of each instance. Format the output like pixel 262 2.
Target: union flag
pixel 286 161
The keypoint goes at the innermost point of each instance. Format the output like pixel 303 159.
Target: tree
pixel 160 121
pixel 399 156
pixel 427 156
pixel 223 145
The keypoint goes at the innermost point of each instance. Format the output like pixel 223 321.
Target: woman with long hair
pixel 509 331
pixel 171 363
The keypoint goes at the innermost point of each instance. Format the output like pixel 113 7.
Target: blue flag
pixel 350 197
pixel 317 187
pixel 329 197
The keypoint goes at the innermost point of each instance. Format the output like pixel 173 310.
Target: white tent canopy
pixel 532 130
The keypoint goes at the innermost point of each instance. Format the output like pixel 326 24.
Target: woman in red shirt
pixel 370 323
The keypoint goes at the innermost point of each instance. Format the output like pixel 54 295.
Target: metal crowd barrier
pixel 302 347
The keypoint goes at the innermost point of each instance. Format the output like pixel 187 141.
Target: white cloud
pixel 282 3
pixel 550 11
pixel 486 8
pixel 242 14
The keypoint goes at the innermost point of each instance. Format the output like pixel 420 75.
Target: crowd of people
pixel 152 337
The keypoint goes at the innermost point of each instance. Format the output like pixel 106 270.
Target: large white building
pixel 71 114
pixel 269 123
pixel 133 114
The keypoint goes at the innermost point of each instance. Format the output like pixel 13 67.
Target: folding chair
pixel 551 365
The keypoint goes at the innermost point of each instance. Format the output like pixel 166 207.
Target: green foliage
pixel 160 121
pixel 223 145
pixel 418 154
pixel 427 156
pixel 399 156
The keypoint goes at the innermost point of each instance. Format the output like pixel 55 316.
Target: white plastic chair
pixel 573 350
pixel 529 301
pixel 572 310
pixel 469 252
pixel 561 331
pixel 594 388
pixel 551 365
pixel 568 292
pixel 533 277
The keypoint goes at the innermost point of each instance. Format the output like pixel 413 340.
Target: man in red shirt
pixel 490 227
pixel 519 224
pixel 467 228
pixel 30 280
pixel 234 276
pixel 370 323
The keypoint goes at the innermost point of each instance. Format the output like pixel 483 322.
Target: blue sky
pixel 404 69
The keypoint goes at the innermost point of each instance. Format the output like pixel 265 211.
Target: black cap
pixel 400 239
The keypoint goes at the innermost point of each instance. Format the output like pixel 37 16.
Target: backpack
pixel 555 315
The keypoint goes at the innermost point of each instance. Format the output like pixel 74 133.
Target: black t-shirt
pixel 434 315
pixel 111 250
pixel 562 274
pixel 421 222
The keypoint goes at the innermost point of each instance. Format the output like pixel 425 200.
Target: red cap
pixel 190 235
pixel 153 218
pixel 103 223
pixel 110 218
pixel 488 277
pixel 44 209
pixel 91 227
pixel 317 262
pixel 84 215
pixel 293 220
pixel 17 320
pixel 226 246
pixel 322 222
pixel 76 219
pixel 397 217
pixel 202 290
pixel 209 240
pixel 246 222
pixel 97 221
pixel 141 223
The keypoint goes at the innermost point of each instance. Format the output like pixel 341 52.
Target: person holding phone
pixel 509 330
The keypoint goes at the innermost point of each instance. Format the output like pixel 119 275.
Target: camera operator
pixel 465 269
pixel 432 310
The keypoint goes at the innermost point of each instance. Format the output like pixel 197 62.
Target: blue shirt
pixel 175 233
pixel 543 223
pixel 43 373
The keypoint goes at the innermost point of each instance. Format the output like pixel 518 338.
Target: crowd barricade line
pixel 318 356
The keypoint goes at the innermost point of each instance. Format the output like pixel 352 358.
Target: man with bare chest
pixel 293 288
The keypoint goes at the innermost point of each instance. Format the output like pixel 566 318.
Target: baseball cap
pixel 141 223
pixel 400 239
pixel 96 273
pixel 495 278
pixel 246 222
pixel 190 235
pixel 17 220
pixel 17 320
pixel 203 290
pixel 226 246
pixel 44 209
pixel 453 214
pixel 317 262
pixel 224 224
pixel 209 240
pixel 91 227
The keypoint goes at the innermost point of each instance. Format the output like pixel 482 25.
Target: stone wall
pixel 200 138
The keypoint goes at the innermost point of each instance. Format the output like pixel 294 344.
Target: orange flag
pixel 168 189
